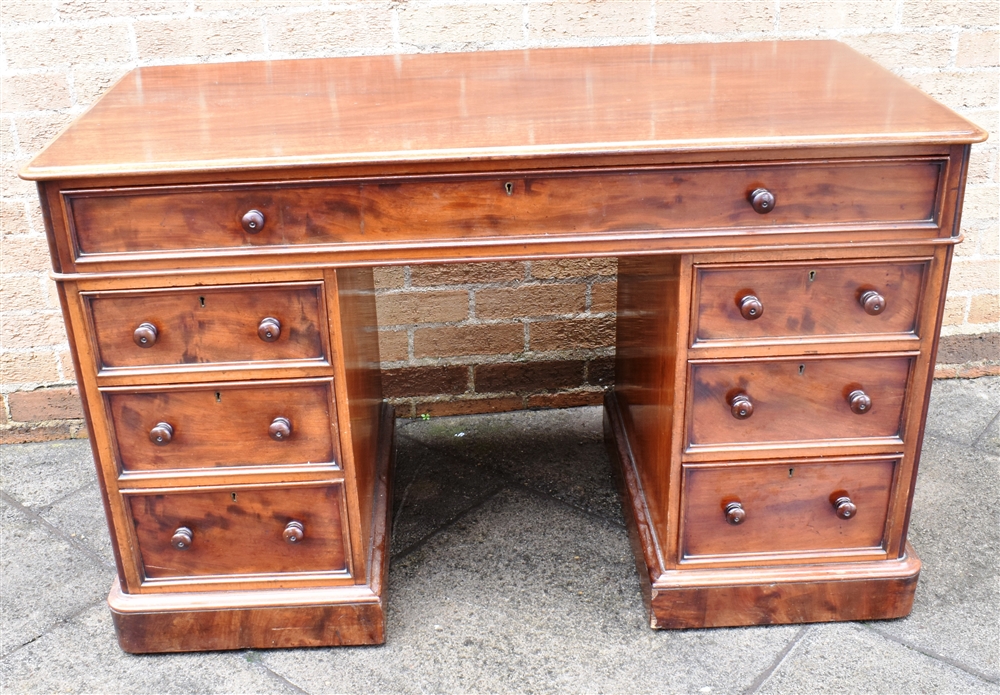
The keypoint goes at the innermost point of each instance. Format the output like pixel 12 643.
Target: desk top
pixel 456 107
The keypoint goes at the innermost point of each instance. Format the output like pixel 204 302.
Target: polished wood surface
pixel 390 110
pixel 813 299
pixel 784 216
pixel 795 400
pixel 209 324
pixel 787 509
pixel 225 424
pixel 241 531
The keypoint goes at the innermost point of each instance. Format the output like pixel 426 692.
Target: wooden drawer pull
pixel 253 221
pixel 161 434
pixel 741 406
pixel 280 429
pixel 750 307
pixel 846 509
pixel 735 514
pixel 182 538
pixel 762 200
pixel 872 302
pixel 860 402
pixel 269 329
pixel 294 531
pixel 145 335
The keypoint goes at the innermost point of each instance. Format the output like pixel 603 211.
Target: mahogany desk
pixel 784 216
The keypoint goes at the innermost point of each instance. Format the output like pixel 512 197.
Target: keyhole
pixel 218 397
pixel 812 275
pixel 802 369
pixel 509 187
pixel 790 471
pixel 234 495
pixel 202 300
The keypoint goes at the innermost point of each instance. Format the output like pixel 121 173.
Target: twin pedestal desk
pixel 783 214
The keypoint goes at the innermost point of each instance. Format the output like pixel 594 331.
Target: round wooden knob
pixel 735 514
pixel 751 308
pixel 294 532
pixel 269 329
pixel 161 434
pixel 145 335
pixel 873 302
pixel 762 200
pixel 280 429
pixel 182 538
pixel 845 508
pixel 740 406
pixel 253 221
pixel 860 402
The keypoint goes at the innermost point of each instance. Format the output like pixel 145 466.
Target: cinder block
pixel 566 334
pixel 823 15
pixel 528 377
pixel 55 45
pixel 981 201
pixel 574 268
pixel 939 13
pixel 901 51
pixel 24 254
pixel 716 16
pixel 954 310
pixel 60 403
pixel 91 81
pixel 340 30
pixel 566 399
pixel 389 277
pixel 199 37
pixel 28 11
pixel 557 21
pixel 35 131
pixel 27 293
pixel 979 49
pixel 960 90
pixel 36 367
pixel 422 307
pixel 430 380
pixel 483 339
pixel 36 91
pixel 466 273
pixel 603 297
pixel 424 24
pixel 971 274
pixel 14 217
pixel 469 406
pixel 102 9
pixel 531 300
pixel 393 346
pixel 984 308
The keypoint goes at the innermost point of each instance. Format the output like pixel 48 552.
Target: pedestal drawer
pixel 241 531
pixel 744 510
pixel 199 325
pixel 230 424
pixel 760 401
pixel 764 301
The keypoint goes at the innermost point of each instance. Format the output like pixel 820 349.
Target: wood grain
pixel 393 110
pixel 239 531
pixel 224 424
pixel 209 324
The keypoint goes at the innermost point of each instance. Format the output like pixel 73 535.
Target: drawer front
pixel 224 425
pixel 188 217
pixel 786 508
pixel 241 531
pixel 198 325
pixel 789 400
pixel 791 300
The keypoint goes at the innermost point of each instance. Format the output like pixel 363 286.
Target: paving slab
pixel 848 658
pixel 431 488
pixel 82 655
pixel 40 473
pixel 558 452
pixel 525 594
pixel 954 530
pixel 961 409
pixel 43 579
pixel 80 514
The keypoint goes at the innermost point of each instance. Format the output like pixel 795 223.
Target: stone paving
pixel 511 572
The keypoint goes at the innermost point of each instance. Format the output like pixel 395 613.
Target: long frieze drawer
pixel 747 402
pixel 733 510
pixel 199 325
pixel 809 299
pixel 232 216
pixel 241 531
pixel 256 423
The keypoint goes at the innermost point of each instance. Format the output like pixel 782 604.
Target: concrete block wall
pixel 461 338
